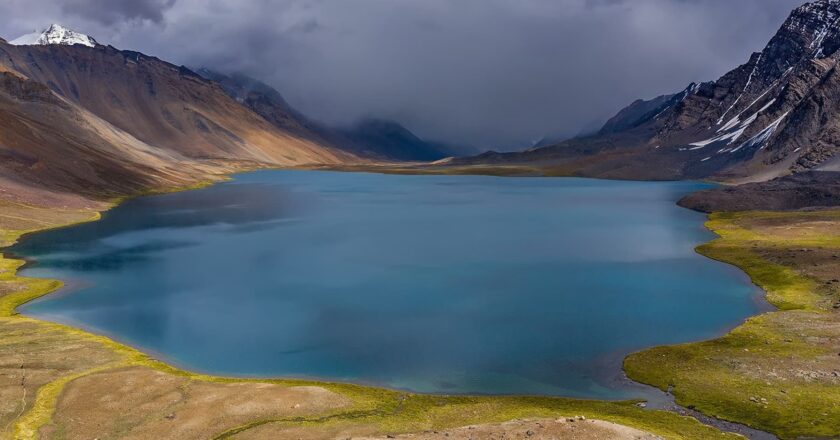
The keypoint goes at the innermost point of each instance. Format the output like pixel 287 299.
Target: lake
pixel 451 284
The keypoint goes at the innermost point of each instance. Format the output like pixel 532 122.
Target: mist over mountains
pixel 772 116
pixel 496 73
pixel 133 122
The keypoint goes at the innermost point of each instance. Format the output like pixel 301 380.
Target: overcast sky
pixel 489 72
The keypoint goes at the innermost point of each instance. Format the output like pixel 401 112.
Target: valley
pixel 85 127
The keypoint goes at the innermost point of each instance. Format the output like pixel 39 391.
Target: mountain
pixel 99 122
pixel 388 139
pixel 774 115
pixel 54 34
pixel 264 100
pixel 641 111
pixel 372 138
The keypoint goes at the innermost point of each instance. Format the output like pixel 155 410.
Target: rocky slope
pixel 98 121
pixel 774 115
pixel 50 144
pixel 264 100
pixel 812 189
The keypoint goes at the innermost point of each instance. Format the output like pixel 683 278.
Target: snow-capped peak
pixel 55 34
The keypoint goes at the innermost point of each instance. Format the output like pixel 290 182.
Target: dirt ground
pixel 142 403
pixel 532 429
pixel 565 428
pixel 33 354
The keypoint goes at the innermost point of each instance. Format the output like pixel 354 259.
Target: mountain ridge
pixel 169 125
pixel 54 34
pixel 98 122
pixel 771 116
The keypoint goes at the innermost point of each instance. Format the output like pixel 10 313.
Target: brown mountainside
pixel 98 121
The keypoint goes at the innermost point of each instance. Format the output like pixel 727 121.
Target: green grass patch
pixel 758 373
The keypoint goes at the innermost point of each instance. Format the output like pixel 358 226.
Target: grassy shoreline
pixel 378 410
pixel 777 371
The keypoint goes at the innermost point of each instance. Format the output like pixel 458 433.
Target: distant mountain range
pixel 774 115
pixel 81 118
pixel 98 122
pixel 371 138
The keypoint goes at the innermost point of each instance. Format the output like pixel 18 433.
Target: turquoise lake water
pixel 453 284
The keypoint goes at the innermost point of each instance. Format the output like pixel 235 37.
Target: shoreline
pixel 788 291
pixel 140 358
pixel 663 400
pixel 40 414
pixel 617 382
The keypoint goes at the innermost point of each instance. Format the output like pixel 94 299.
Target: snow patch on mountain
pixel 55 34
pixel 761 137
pixel 746 86
pixel 730 137
pixel 741 128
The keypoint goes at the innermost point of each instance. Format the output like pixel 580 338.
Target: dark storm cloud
pixel 490 72
pixel 113 11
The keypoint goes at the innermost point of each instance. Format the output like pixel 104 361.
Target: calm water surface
pixel 456 284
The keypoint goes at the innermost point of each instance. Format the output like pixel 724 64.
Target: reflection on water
pixel 433 283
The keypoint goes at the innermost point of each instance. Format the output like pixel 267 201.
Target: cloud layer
pixel 490 72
